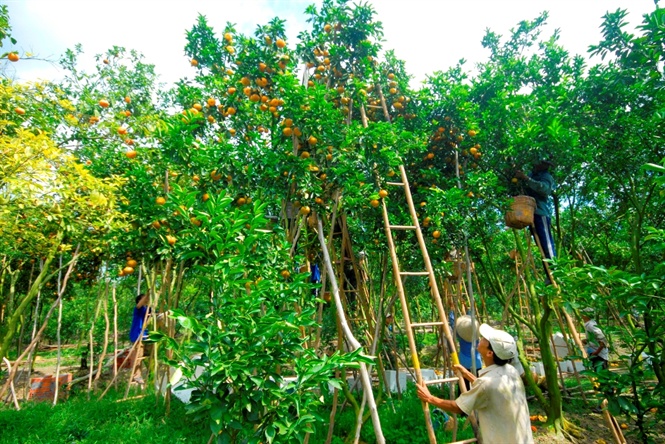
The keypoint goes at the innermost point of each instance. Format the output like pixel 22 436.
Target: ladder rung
pixel 440 381
pixel 414 273
pixel 397 184
pixel 402 227
pixel 466 441
pixel 425 324
pixel 374 106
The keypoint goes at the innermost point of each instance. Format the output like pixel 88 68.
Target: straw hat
pixel 465 328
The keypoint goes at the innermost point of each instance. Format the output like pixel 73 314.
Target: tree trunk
pixel 10 329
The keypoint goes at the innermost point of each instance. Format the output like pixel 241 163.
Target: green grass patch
pixel 81 421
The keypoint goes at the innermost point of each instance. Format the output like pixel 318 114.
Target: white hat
pixel 465 328
pixel 503 344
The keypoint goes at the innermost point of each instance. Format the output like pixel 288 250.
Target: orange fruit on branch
pixel 131 154
pixel 104 103
pixel 19 111
pixel 383 193
pixel 13 57
pixel 436 234
pixel 160 200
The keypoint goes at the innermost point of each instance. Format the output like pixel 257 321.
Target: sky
pixel 429 35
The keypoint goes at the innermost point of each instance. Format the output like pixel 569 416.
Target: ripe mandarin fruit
pixel 13 57
pixel 104 103
pixel 383 193
pixel 131 154
pixel 160 200
pixel 436 234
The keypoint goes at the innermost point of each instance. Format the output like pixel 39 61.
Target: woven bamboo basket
pixel 521 212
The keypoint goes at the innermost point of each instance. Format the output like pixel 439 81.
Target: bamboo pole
pixel 11 384
pixel 35 323
pixel 366 381
pixel 59 352
pixel 36 339
pixel 106 332
pixel 115 332
pixel 91 342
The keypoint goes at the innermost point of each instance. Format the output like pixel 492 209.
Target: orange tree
pixel 51 204
pixel 250 131
pixel 621 225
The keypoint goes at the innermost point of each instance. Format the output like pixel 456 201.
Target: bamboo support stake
pixel 91 341
pixel 115 332
pixel 17 362
pixel 384 107
pixel 569 321
pixel 366 381
pixel 11 384
pixel 106 332
pixel 58 330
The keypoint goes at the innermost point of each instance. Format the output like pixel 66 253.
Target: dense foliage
pixel 211 192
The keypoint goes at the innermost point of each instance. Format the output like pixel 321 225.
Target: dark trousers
pixel 543 233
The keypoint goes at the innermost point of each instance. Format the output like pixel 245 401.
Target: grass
pixel 81 421
pixel 403 425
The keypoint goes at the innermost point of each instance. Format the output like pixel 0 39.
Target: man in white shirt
pixel 596 342
pixel 497 395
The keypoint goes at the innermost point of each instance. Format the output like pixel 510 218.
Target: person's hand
pixel 423 393
pixel 460 368
pixel 520 175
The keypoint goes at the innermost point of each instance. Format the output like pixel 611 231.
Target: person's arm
pixel 143 301
pixel 597 351
pixel 542 187
pixel 443 404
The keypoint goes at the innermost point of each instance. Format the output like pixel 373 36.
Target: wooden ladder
pixel 411 326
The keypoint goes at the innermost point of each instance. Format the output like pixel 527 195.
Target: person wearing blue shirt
pixel 140 315
pixel 464 329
